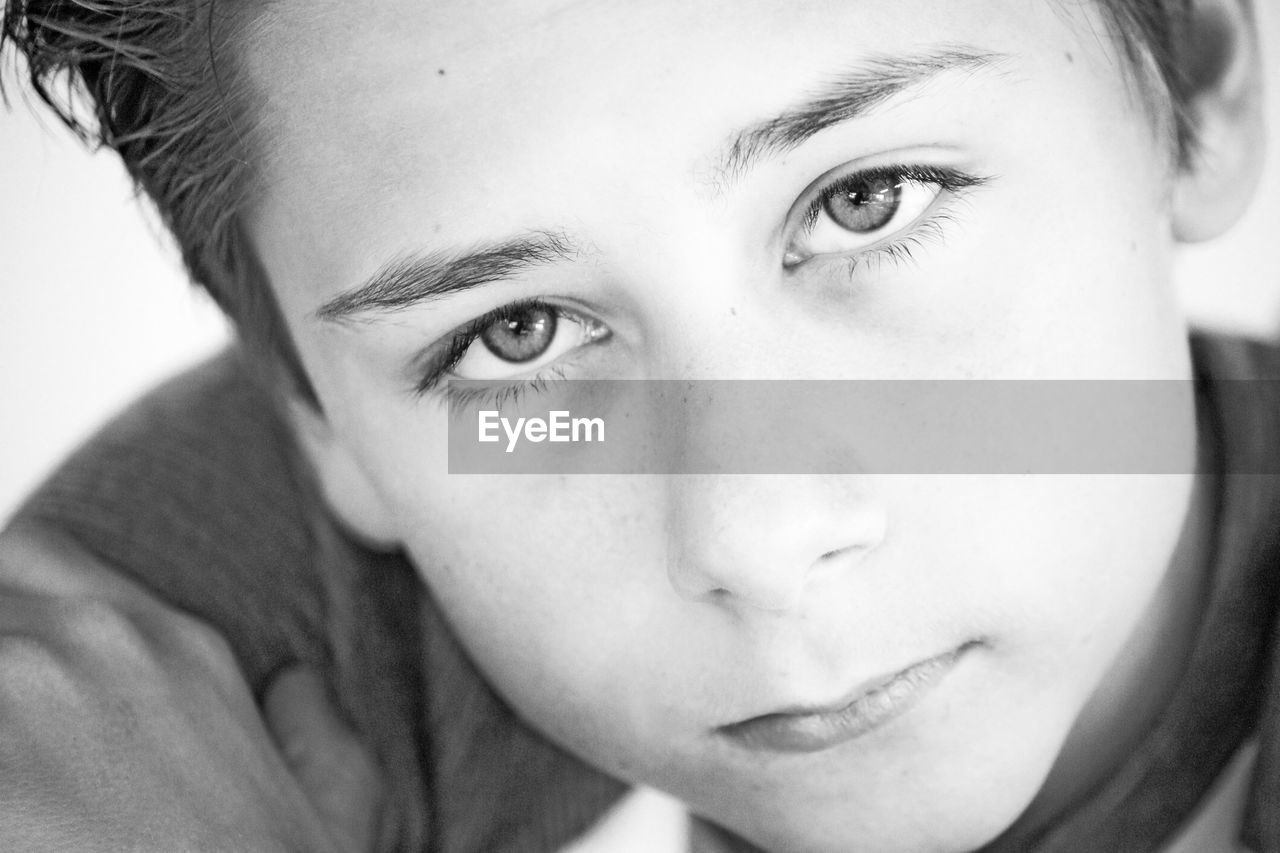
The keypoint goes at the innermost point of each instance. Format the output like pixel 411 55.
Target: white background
pixel 94 306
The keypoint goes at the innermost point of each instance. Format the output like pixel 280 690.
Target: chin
pixel 926 831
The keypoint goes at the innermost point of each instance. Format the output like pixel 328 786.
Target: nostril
pixel 840 552
pixel 854 548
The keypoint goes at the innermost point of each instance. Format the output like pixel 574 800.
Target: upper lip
pixel 862 688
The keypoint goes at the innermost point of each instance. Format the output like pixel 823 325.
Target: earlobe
pixel 1219 57
pixel 346 487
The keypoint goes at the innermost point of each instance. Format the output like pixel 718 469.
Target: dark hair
pixel 163 90
pixel 155 81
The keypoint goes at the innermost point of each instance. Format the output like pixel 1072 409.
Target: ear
pixel 1220 57
pixel 346 487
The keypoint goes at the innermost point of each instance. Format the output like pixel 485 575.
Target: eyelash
pixel 901 251
pixel 434 371
pixel 929 228
pixel 948 180
pixel 490 397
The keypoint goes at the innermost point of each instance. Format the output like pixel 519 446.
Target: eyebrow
pixel 854 94
pixel 413 279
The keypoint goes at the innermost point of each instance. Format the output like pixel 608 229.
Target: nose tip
pixel 758 543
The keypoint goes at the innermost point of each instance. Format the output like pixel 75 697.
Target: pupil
pixel 522 335
pixel 867 207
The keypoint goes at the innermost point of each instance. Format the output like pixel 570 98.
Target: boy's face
pixel 635 620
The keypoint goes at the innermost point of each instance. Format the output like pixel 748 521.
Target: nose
pixel 765 542
pixel 760 522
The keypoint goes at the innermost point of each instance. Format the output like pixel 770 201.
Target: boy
pixel 878 190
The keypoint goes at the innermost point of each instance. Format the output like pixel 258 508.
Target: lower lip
pixel 812 732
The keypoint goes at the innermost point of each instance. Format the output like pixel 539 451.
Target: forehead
pixel 408 121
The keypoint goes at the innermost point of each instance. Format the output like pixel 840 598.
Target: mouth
pixel 872 705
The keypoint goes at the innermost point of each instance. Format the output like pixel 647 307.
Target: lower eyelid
pixel 496 393
pixel 930 230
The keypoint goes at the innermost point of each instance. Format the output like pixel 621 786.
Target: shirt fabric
pixel 198 492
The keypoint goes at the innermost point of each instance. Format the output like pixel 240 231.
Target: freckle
pixel 733 311
pixel 440 71
pixel 1070 59
pixel 437 228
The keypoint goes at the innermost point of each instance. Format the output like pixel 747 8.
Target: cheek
pixel 1094 298
pixel 1039 282
pixel 560 600
pixel 555 586
pixel 1070 568
pixel 1062 265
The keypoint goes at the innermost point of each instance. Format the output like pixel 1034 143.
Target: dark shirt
pixel 199 492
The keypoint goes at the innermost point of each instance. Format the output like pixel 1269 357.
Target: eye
pixel 522 335
pixel 860 210
pixel 519 339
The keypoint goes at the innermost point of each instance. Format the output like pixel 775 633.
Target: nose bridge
pixel 712 307
pixel 737 334
pixel 759 541
pixel 738 537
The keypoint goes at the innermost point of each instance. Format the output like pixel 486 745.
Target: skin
pixel 628 618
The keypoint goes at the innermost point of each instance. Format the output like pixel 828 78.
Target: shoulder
pixel 198 492
pixel 1223 355
pixel 1229 356
pixel 195 491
